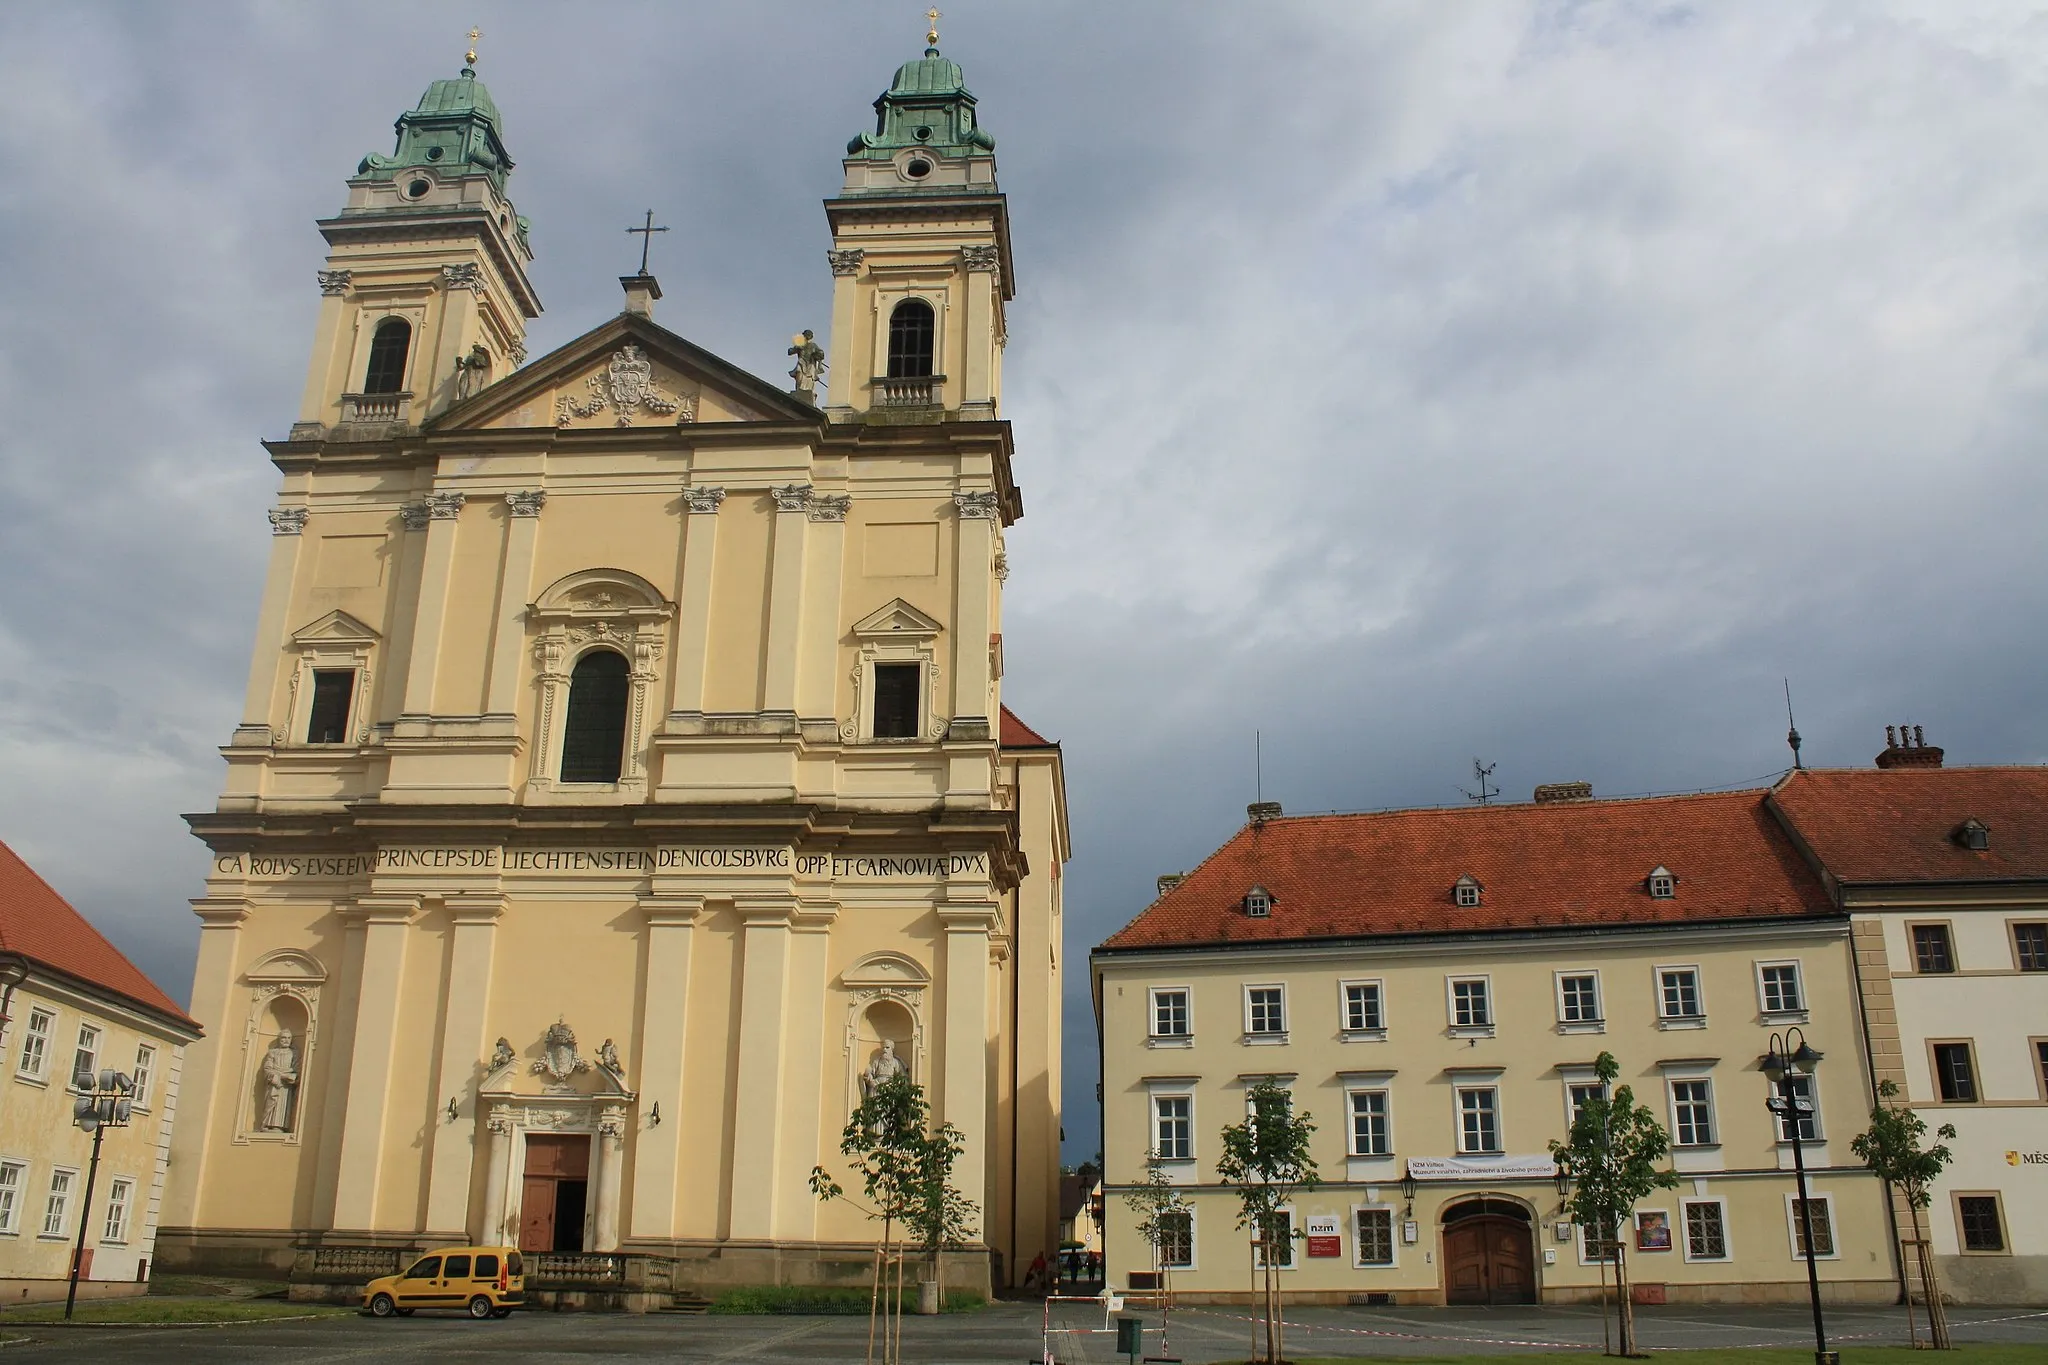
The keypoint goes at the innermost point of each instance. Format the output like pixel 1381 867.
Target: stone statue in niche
pixel 279 1076
pixel 502 1055
pixel 810 360
pixel 608 1057
pixel 886 1066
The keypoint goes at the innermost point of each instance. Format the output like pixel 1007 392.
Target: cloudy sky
pixel 1406 382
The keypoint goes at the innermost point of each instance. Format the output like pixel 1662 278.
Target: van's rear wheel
pixel 382 1307
pixel 480 1307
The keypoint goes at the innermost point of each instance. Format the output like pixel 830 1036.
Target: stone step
pixel 684 1302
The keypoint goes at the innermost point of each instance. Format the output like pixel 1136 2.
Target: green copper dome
pixel 455 130
pixel 927 105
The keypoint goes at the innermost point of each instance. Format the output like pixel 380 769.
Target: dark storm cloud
pixel 1407 382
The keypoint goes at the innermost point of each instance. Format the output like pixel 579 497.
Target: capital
pixel 414 515
pixel 830 506
pixel 792 497
pixel 846 262
pixel 703 499
pixel 1002 566
pixel 980 258
pixel 526 502
pixel 335 281
pixel 445 506
pixel 464 275
pixel 288 521
pixel 977 506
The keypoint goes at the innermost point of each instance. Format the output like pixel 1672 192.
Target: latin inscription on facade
pixel 682 858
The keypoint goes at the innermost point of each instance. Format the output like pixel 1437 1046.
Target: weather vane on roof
pixel 469 57
pixel 931 36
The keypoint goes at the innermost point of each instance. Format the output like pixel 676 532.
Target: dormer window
pixel 1973 834
pixel 1258 903
pixel 1465 893
pixel 1662 885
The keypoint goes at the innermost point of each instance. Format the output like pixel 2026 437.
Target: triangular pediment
pixel 335 627
pixel 629 372
pixel 898 620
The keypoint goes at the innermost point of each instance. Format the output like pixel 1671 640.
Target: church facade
pixel 623 774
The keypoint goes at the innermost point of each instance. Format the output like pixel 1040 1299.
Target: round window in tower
pixel 417 189
pixel 433 153
pixel 918 169
pixel 923 132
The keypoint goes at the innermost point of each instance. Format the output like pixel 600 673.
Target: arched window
pixel 910 340
pixel 594 731
pixel 387 357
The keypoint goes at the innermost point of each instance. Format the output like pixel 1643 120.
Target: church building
pixel 624 773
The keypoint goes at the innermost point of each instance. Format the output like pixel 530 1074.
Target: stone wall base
pixel 1773 1291
pixel 16 1292
pixel 1992 1279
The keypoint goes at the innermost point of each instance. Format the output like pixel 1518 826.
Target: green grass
pixel 2002 1354
pixel 817 1300
pixel 152 1309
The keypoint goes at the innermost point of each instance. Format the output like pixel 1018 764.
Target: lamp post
pixel 1792 1056
pixel 98 1107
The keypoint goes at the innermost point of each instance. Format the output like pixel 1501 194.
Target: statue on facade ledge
pixel 280 1076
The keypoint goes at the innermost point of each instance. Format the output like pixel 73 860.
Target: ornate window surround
pixel 368 316
pixel 594 609
pixel 291 974
pixel 898 633
pixel 335 641
pixel 891 288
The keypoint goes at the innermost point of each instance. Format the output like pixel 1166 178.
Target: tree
pixel 1891 1149
pixel 1162 1210
pixel 1613 1160
pixel 1267 1158
pixel 905 1169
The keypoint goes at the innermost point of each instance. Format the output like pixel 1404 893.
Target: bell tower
pixel 425 296
pixel 920 258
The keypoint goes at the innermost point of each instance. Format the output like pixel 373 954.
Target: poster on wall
pixel 1324 1236
pixel 1653 1230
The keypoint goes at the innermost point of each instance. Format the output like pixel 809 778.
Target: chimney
pixel 1170 881
pixel 1906 747
pixel 1259 812
pixel 641 292
pixel 1563 791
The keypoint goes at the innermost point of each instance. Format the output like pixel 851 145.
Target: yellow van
pixel 484 1282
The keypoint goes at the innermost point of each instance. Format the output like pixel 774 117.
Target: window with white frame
pixel 1470 1005
pixel 120 1194
pixel 13 1179
pixel 1678 993
pixel 1265 1011
pixel 1706 1229
pixel 1364 1007
pixel 1170 1012
pixel 1778 988
pixel 1375 1240
pixel 1466 893
pixel 1177 1238
pixel 1692 1113
pixel 1369 1132
pixel 1478 1119
pixel 1662 885
pixel 1823 1225
pixel 1594 1248
pixel 1278 1240
pixel 57 1207
pixel 1806 1104
pixel 1578 997
pixel 145 1071
pixel 1173 1127
pixel 1577 1094
pixel 85 1062
pixel 35 1042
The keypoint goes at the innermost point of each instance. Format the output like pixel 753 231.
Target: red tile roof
pixel 1555 865
pixel 40 925
pixel 1017 735
pixel 1895 825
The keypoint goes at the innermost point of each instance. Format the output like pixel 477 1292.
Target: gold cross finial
pixel 931 36
pixel 469 57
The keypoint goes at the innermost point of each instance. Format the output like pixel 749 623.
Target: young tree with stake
pixel 1267 1158
pixel 1891 1149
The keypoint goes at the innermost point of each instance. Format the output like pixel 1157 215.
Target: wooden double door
pixel 1489 1260
pixel 556 1193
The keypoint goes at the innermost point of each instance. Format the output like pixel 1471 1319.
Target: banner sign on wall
pixel 1538 1167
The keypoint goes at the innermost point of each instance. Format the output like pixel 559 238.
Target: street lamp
pixel 99 1106
pixel 1785 1062
pixel 1563 1180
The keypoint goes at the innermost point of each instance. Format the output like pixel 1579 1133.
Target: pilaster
pixel 213 978
pixel 515 590
pixel 755 1193
pixel 664 1057
pixel 845 389
pixel 693 596
pixel 973 672
pixel 964 1100
pixel 817 678
pixel 786 597
pixel 387 921
pixel 443 509
pixel 978 396
pixel 287 526
pixel 803 1077
pixel 611 1174
pixel 470 961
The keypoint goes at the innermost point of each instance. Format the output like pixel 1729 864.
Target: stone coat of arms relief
pixel 625 386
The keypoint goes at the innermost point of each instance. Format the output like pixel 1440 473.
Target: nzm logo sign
pixel 2026 1158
